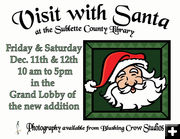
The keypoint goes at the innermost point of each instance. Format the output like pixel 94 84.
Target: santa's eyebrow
pixel 121 73
pixel 133 70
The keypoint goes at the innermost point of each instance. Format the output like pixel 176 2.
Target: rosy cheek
pixel 121 84
pixel 117 79
pixel 139 80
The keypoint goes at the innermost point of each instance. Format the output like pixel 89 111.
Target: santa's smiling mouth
pixel 133 89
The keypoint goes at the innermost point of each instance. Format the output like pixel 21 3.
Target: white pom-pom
pixel 89 86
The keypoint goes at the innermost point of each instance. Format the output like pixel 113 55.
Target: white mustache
pixel 140 86
pixel 127 89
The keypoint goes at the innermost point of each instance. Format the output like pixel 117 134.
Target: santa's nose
pixel 130 81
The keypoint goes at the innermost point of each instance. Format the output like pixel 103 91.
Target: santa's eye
pixel 133 74
pixel 122 76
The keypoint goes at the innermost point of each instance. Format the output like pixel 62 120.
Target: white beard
pixel 145 94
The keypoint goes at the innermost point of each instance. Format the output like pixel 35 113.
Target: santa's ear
pixel 90 86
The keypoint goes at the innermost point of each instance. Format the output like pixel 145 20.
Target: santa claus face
pixel 130 76
pixel 134 87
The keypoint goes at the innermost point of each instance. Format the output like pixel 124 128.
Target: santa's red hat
pixel 113 64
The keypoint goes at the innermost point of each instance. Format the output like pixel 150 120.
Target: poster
pixel 89 69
